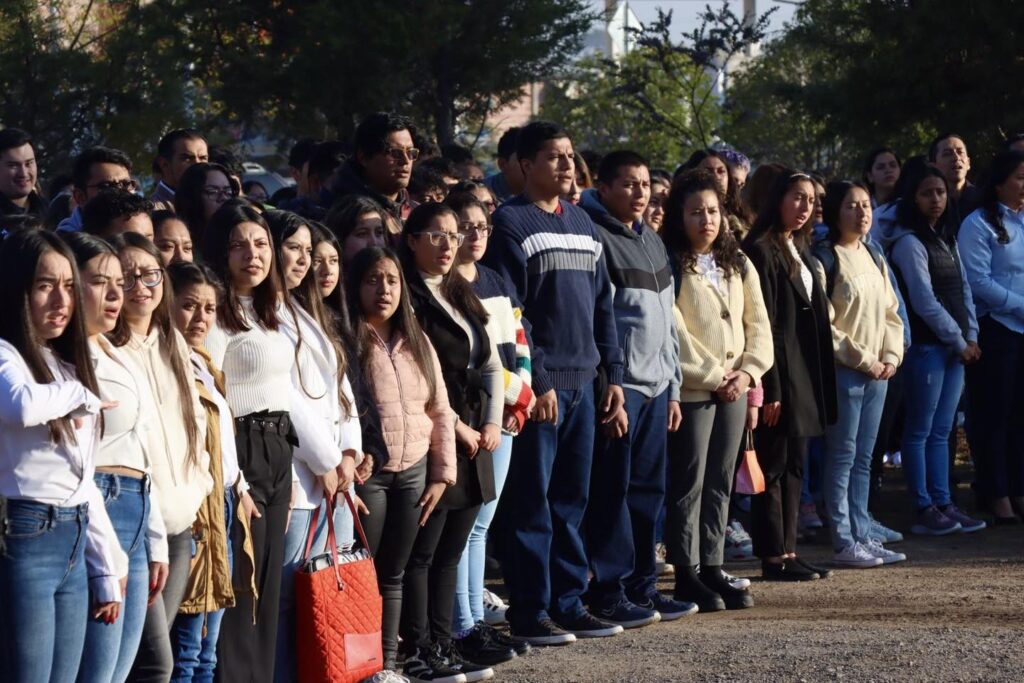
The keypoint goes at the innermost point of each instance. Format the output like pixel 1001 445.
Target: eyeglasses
pixel 123 185
pixel 452 237
pixel 218 192
pixel 475 229
pixel 400 154
pixel 149 278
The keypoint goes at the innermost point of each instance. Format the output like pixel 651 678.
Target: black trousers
pixel 391 498
pixel 429 587
pixel 774 513
pixel 890 429
pixel 245 651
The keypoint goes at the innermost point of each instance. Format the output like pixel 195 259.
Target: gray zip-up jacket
pixel 644 296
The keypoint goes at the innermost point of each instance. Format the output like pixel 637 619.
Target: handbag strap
pixel 356 522
pixel 750 440
pixel 332 543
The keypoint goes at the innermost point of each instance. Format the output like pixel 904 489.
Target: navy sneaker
pixel 627 615
pixel 669 609
pixel 586 625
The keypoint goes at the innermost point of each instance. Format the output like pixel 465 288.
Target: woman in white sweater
pixel 57 544
pixel 179 462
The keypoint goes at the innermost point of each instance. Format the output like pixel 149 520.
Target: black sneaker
pixel 542 632
pixel 820 571
pixel 428 666
pixel 586 625
pixel 473 672
pixel 689 588
pixel 787 571
pixel 520 647
pixel 734 598
pixel 627 615
pixel 669 609
pixel 479 647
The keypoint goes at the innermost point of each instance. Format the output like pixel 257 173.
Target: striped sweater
pixel 506 330
pixel 555 264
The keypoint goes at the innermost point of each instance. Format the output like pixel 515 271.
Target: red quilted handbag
pixel 337 610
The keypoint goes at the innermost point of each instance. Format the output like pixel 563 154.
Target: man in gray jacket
pixel 627 484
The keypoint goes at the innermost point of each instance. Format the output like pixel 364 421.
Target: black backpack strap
pixel 825 252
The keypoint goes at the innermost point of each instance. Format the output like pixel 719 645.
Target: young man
pixel 550 252
pixel 948 153
pixel 18 196
pixel 508 181
pixel 627 484
pixel 95 170
pixel 176 151
pixel 382 165
pixel 112 212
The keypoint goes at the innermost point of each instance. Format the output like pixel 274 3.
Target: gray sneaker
pixel 967 523
pixel 931 522
pixel 883 534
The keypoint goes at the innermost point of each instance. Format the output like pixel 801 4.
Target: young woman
pixel 661 183
pixel 58 544
pixel 735 213
pixel 257 358
pixel 172 238
pixel 881 173
pixel 453 319
pixel 800 393
pixel 358 222
pixel 505 328
pixel 324 414
pixel 122 462
pixel 203 188
pixel 867 337
pixel 725 347
pixel 945 333
pixel 479 190
pixel 404 373
pixel 581 181
pixel 179 460
pixel 197 292
pixel 992 244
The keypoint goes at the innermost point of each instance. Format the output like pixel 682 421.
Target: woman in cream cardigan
pixel 725 345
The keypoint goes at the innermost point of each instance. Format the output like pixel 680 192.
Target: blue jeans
pixel 195 656
pixel 294 547
pixel 849 444
pixel 469 581
pixel 627 492
pixel 542 551
pixel 44 592
pixel 110 648
pixel 934 382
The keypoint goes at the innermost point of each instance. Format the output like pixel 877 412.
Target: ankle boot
pixel 734 598
pixel 689 588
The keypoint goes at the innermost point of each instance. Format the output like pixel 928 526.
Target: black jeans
pixel 890 430
pixel 246 651
pixel 774 513
pixel 391 498
pixel 428 593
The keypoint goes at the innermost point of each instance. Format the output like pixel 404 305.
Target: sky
pixel 684 12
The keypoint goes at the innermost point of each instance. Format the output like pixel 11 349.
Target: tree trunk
pixel 444 101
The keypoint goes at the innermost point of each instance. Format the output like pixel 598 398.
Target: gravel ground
pixel 953 612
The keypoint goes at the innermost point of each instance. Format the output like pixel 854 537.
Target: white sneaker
pixel 736 582
pixel 494 609
pixel 856 556
pixel 884 554
pixel 386 676
pixel 661 567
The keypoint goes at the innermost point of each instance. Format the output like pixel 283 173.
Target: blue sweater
pixel 556 265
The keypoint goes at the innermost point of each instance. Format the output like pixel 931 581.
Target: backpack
pixel 825 251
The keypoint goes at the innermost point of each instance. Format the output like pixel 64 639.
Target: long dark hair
pixel 404 321
pixel 335 302
pixel 188 198
pixel 869 163
pixel 184 274
pixel 454 288
pixel 835 193
pixel 909 215
pixel 342 218
pixel 731 202
pixel 726 251
pixel 1003 166
pixel 86 247
pixel 169 339
pixel 268 294
pixel 768 225
pixel 20 253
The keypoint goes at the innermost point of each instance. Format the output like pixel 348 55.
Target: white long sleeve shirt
pixel 33 467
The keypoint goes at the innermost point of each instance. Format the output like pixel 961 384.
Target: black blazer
pixel 475 478
pixel 804 375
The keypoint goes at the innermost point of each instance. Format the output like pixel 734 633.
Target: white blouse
pixel 708 268
pixel 228 450
pixel 33 467
pixel 805 272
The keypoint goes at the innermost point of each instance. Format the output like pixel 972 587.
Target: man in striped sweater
pixel 551 254
pixel 628 476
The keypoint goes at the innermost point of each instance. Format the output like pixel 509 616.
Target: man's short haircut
pixel 326 157
pixel 457 153
pixel 608 169
pixel 442 165
pixel 533 135
pixel 12 138
pixel 372 133
pixel 1012 140
pixel 507 143
pixel 228 159
pixel 933 149
pixel 165 147
pixel 82 168
pixel 301 151
pixel 109 205
pixel 426 178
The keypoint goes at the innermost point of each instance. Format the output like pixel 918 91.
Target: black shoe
pixel 689 588
pixel 520 647
pixel 542 632
pixel 787 571
pixel 669 609
pixel 734 598
pixel 479 648
pixel 1012 520
pixel 820 571
pixel 428 666
pixel 471 670
pixel 586 625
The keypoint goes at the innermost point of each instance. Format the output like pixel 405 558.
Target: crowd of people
pixel 569 357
